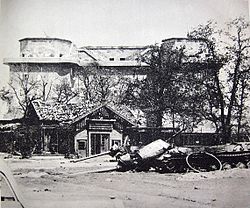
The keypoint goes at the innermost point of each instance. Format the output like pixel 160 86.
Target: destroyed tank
pixel 163 157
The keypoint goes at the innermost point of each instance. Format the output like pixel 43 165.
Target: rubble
pixel 164 157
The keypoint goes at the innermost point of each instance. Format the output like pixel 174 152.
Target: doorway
pixel 99 143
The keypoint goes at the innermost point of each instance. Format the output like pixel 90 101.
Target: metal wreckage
pixel 164 157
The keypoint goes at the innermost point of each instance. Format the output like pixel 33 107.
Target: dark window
pixel 122 59
pixel 81 145
pixel 111 59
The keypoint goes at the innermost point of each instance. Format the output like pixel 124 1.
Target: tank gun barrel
pixel 90 157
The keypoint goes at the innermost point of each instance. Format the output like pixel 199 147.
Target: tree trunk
pixel 222 106
pixel 241 106
pixel 232 100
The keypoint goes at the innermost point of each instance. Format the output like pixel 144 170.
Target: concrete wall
pixel 46 47
pixel 83 135
pixel 194 50
pixel 115 135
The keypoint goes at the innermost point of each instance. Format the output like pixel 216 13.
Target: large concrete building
pixel 54 55
pixel 93 129
pixel 61 57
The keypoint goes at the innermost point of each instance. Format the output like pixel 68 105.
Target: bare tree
pixel 45 88
pixel 238 52
pixel 64 92
pixel 227 94
pixel 24 88
pixel 102 86
pixel 108 88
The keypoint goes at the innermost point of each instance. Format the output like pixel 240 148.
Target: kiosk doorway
pixel 99 143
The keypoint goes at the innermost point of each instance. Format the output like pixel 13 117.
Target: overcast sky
pixel 107 22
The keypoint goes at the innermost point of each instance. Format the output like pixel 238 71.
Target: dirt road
pixel 56 183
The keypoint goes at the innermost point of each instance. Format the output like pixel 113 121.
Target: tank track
pixel 200 162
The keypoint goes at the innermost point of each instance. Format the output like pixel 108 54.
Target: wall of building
pixel 57 48
pixel 111 53
pixel 84 136
pixel 116 137
pixel 46 47
pixel 4 108
pixel 194 50
pixel 81 137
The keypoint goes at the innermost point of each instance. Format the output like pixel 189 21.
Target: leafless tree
pixel 24 87
pixel 45 88
pixel 64 92
pixel 227 94
pixel 101 85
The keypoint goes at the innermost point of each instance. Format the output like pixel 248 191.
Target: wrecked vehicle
pixel 141 160
pixel 163 157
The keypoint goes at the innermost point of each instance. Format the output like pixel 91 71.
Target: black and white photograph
pixel 124 103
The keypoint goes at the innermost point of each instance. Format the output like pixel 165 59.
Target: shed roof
pixel 72 112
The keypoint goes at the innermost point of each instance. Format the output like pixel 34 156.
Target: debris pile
pixel 163 157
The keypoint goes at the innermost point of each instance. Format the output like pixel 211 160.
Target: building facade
pixel 80 129
pixel 57 58
pixel 77 127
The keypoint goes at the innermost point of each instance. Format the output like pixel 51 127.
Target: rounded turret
pixel 46 47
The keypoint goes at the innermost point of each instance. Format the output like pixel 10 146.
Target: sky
pixel 107 22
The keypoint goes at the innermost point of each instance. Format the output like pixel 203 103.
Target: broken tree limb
pixel 90 157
